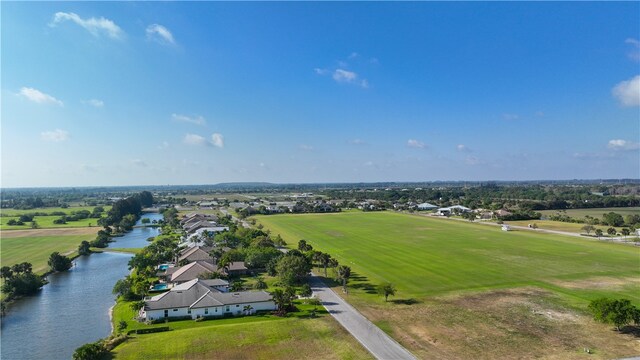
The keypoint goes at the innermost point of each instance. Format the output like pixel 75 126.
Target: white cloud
pixel 39 97
pixel 463 148
pixel 619 144
pixel 353 55
pixel 306 147
pixel 412 143
pixel 160 34
pixel 56 135
pixel 164 145
pixel 92 25
pixel 634 54
pixel 357 142
pixel 540 113
pixel 139 163
pixel 217 140
pixel 628 91
pixel 341 75
pixel 193 139
pixel 198 120
pixel 510 117
pixel 95 103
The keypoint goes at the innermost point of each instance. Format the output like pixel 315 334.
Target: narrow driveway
pixel 378 343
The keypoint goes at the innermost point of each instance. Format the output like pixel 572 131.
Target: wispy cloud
pixel 305 147
pixel 510 117
pixel 623 145
pixel 463 148
pixel 628 92
pixel 472 160
pixel 198 120
pixel 357 142
pixel 634 53
pixel 593 156
pixel 193 139
pixel 217 140
pixel 39 97
pixel 416 144
pixel 160 34
pixel 164 145
pixel 139 163
pixel 96 26
pixel 340 74
pixel 56 135
pixel 95 103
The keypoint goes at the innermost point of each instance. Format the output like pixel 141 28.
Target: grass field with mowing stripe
pixel 424 256
pixel 596 213
pixel 37 249
pixel 468 290
pixel 46 222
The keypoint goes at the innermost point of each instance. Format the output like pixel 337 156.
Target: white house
pixel 198 298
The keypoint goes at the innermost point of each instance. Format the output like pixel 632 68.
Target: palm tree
pixel 386 290
pixel 261 284
pixel 281 300
pixel 247 309
pixel 216 254
pixel 344 272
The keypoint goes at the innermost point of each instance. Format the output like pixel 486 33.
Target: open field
pixel 46 222
pixel 560 226
pixel 596 213
pixel 37 249
pixel 469 290
pixel 255 337
pixel 49 210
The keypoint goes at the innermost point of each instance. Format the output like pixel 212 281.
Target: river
pixel 73 308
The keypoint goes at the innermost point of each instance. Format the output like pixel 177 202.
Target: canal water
pixel 73 308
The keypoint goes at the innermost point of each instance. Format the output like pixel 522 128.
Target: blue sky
pixel 136 93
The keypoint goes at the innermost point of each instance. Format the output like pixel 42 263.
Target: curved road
pixel 377 342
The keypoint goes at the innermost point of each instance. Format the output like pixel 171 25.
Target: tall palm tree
pixel 247 309
pixel 344 272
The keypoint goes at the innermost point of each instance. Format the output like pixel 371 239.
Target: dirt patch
pixel 48 232
pixel 599 282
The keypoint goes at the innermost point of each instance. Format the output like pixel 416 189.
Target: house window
pixel 216 309
pixel 227 307
pixel 206 311
pixel 175 309
pixel 237 305
pixel 189 311
pixel 166 313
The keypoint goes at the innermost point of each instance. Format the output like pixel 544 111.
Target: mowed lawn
pixel 320 338
pixel 424 256
pixel 596 213
pixel 46 222
pixel 561 226
pixel 37 249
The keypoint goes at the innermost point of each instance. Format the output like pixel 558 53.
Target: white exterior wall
pixel 221 310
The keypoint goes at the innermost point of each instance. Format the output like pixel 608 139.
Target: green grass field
pixel 48 210
pixel 468 290
pixel 597 213
pixel 257 337
pixel 424 256
pixel 37 249
pixel 46 222
pixel 320 338
pixel 560 226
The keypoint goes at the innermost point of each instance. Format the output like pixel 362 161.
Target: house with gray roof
pixel 200 298
pixel 178 275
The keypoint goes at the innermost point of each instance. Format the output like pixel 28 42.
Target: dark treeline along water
pixel 73 308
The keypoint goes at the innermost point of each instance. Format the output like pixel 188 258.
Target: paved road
pixel 379 344
pixel 226 212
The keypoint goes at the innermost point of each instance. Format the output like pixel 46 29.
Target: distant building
pixel 426 206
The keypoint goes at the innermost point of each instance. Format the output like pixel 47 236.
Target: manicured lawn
pixel 560 226
pixel 468 290
pixel 596 213
pixel 49 210
pixel 262 336
pixel 37 249
pixel 46 222
pixel 288 338
pixel 424 256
